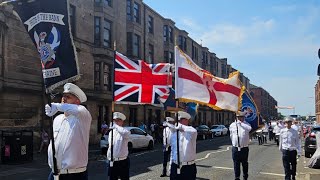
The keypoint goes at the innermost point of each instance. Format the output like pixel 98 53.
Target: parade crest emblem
pixel 47 49
pixel 251 112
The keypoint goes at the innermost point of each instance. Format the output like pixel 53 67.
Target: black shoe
pixel 163 175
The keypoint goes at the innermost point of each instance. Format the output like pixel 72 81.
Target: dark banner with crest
pixel 252 115
pixel 47 22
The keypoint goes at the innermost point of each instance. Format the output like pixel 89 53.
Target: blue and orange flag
pixel 252 114
pixel 47 23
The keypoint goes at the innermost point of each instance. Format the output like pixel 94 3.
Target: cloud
pixel 236 35
pixel 284 9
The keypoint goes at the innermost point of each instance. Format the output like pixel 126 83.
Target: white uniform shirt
pixel 289 140
pixel 120 142
pixel 277 129
pixel 187 144
pixel 71 135
pixel 297 128
pixel 243 131
pixel 167 133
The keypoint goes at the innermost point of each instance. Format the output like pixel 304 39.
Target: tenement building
pixel 138 31
pixel 266 104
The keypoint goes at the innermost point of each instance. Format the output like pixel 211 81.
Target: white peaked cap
pixel 119 115
pixel 169 119
pixel 241 114
pixel 182 114
pixel 75 90
pixel 288 118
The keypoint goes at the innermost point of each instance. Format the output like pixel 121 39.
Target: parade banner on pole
pixel 47 23
pixel 194 84
pixel 252 115
pixel 139 82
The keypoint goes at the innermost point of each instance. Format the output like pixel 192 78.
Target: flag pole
pixel 112 105
pixel 54 159
pixel 178 153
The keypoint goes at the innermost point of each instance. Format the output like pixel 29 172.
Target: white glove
pixel 179 127
pixel 50 111
pixel 164 123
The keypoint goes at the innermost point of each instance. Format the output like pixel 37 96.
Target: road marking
pixel 140 176
pixel 144 153
pixel 217 167
pixel 274 174
pixel 208 155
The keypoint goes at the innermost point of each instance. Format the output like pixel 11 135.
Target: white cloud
pixel 284 9
pixel 235 35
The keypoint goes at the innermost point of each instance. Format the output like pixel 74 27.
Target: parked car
pixel 137 139
pixel 219 130
pixel 204 132
pixel 310 145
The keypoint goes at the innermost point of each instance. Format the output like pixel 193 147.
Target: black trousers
pixel 240 157
pixel 289 160
pixel 78 176
pixel 120 170
pixel 187 172
pixel 166 157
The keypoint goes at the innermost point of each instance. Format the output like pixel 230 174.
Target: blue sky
pixel 274 43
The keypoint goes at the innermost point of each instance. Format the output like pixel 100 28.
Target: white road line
pixel 140 176
pixel 144 153
pixel 217 167
pixel 208 155
pixel 274 174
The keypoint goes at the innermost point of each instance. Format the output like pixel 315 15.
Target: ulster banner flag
pixel 47 22
pixel 139 82
pixel 197 85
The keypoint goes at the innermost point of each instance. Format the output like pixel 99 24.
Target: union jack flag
pixel 137 81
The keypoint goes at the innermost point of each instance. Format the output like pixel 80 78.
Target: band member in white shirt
pixel 187 149
pixel 239 134
pixel 290 147
pixel 71 134
pixel 167 132
pixel 276 130
pixel 120 159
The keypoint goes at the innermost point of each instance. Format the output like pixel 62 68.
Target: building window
pixel 151 54
pixel 106 77
pixel 194 53
pixel 129 14
pixel 165 33
pixel 97 75
pixel 97 25
pixel 133 45
pixel 168 57
pixel 171 56
pixel 136 12
pixel 136 45
pixel 183 43
pixel 170 29
pixel 150 24
pixel 98 71
pixel 72 19
pixel 107 33
pixel 108 3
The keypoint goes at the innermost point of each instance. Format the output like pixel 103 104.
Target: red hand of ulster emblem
pixel 207 80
